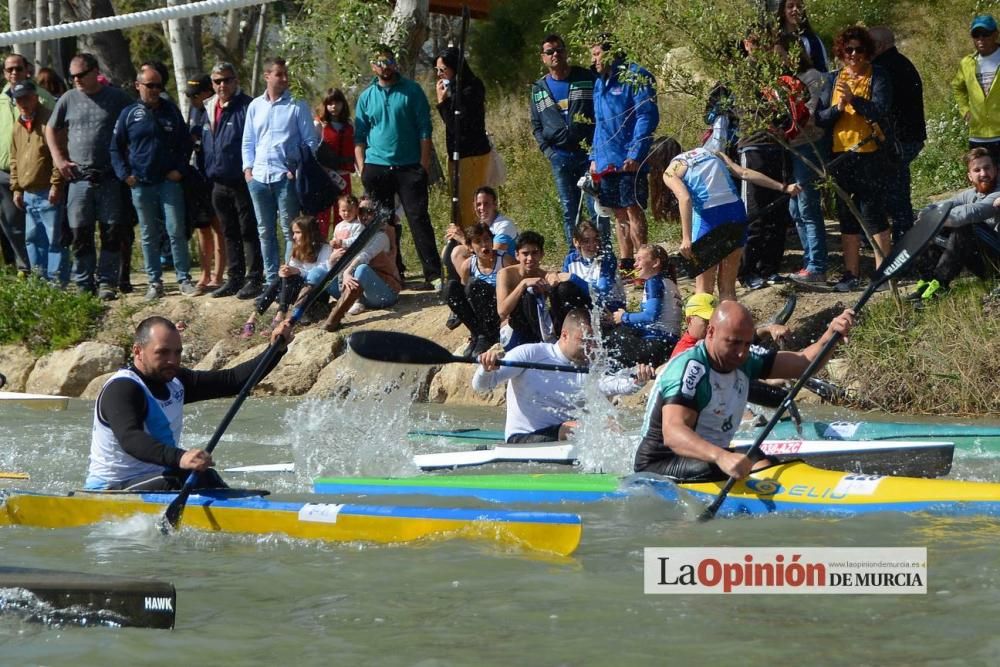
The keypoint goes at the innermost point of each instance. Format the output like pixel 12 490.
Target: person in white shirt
pixel 541 405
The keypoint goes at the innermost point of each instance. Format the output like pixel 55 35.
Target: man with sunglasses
pixel 16 68
pixel 562 118
pixel 392 150
pixel 150 151
pixel 79 138
pixel 973 87
pixel 221 147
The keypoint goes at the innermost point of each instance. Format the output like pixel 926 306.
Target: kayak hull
pixel 788 487
pixel 539 531
pixel 37 401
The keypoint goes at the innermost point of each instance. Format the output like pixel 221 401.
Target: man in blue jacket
pixel 221 149
pixel 150 150
pixel 562 118
pixel 625 116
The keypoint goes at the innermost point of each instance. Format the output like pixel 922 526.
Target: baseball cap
pixel 700 305
pixel 199 84
pixel 984 21
pixel 22 88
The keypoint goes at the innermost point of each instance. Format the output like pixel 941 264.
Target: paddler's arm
pixel 626 381
pixel 790 365
pixel 122 406
pixel 679 435
pixel 489 374
pixel 205 385
pixel 758 178
pixel 672 178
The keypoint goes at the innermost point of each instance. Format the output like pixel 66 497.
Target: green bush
pixel 42 317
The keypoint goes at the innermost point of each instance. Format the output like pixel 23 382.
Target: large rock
pixel 297 371
pixel 218 356
pixel 16 363
pixel 350 373
pixel 95 386
pixel 68 372
pixel 454 385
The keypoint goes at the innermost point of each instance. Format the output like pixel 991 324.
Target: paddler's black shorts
pixel 547 434
pixel 683 469
pixel 168 481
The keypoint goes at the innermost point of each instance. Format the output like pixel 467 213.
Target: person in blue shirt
pixel 392 150
pixel 278 128
pixel 625 118
pixel 150 150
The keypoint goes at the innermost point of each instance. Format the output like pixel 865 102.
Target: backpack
pixel 791 95
pixel 316 189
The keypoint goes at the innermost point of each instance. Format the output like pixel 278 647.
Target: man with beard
pixel 698 400
pixel 972 229
pixel 139 414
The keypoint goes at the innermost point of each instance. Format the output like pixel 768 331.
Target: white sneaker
pixel 357 308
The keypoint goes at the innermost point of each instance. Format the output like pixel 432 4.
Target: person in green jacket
pixel 973 86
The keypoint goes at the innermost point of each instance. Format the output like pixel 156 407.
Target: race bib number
pixel 319 513
pixel 858 485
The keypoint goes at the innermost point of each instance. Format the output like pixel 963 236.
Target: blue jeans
pixel 274 203
pixel 376 293
pixel 567 170
pixel 157 205
pixel 89 204
pixel 898 205
pixel 807 210
pixel 43 236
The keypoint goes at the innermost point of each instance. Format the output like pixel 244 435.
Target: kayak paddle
pixel 905 251
pixel 401 348
pixel 171 518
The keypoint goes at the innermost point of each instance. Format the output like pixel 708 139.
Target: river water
pixel 250 600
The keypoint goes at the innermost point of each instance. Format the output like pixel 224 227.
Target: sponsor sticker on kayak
pixel 785 570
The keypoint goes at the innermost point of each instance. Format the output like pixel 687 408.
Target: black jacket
pixel 906 115
pixel 547 123
pixel 472 139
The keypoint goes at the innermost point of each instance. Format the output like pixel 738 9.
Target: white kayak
pixel 911 459
pixel 39 401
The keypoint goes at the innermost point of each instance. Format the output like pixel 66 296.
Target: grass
pixel 44 318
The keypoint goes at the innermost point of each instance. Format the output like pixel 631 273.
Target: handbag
pixel 317 191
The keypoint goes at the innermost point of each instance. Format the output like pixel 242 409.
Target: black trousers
pixel 285 290
pixel 383 183
pixel 234 207
pixel 627 347
pixel 765 233
pixel 565 297
pixel 475 305
pixel 972 247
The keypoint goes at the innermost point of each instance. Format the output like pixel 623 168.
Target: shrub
pixel 44 318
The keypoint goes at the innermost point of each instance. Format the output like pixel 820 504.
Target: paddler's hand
pixel 283 330
pixel 734 464
pixel 196 459
pixel 842 323
pixel 489 360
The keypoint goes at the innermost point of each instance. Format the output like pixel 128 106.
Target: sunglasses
pixel 80 75
pixel 152 86
pixel 11 70
pixel 219 82
pixel 384 63
pixel 980 34
pixel 552 52
pixel 852 50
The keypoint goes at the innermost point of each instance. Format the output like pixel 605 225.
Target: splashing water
pixel 359 432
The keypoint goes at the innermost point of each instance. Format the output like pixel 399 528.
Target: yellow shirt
pixel 852 128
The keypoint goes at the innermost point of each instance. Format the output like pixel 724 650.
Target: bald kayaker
pixel 542 405
pixel 698 400
pixel 138 417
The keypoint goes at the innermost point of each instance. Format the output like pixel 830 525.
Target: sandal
pixel 247 331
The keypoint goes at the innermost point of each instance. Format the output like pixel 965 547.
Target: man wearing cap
pixel 221 148
pixel 973 87
pixel 79 137
pixel 698 311
pixel 392 149
pixel 36 183
pixel 150 150
pixel 16 68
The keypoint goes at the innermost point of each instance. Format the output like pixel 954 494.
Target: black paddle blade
pixel 175 510
pixel 929 221
pixel 782 316
pixel 399 348
pixel 710 249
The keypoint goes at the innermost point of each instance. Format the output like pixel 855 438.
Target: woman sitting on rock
pixel 309 252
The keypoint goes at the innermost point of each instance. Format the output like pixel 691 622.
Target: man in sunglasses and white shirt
pixel 79 138
pixel 15 69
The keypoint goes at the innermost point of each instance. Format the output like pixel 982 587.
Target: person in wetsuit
pixel 139 414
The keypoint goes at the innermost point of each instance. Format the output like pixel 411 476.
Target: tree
pixel 110 47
